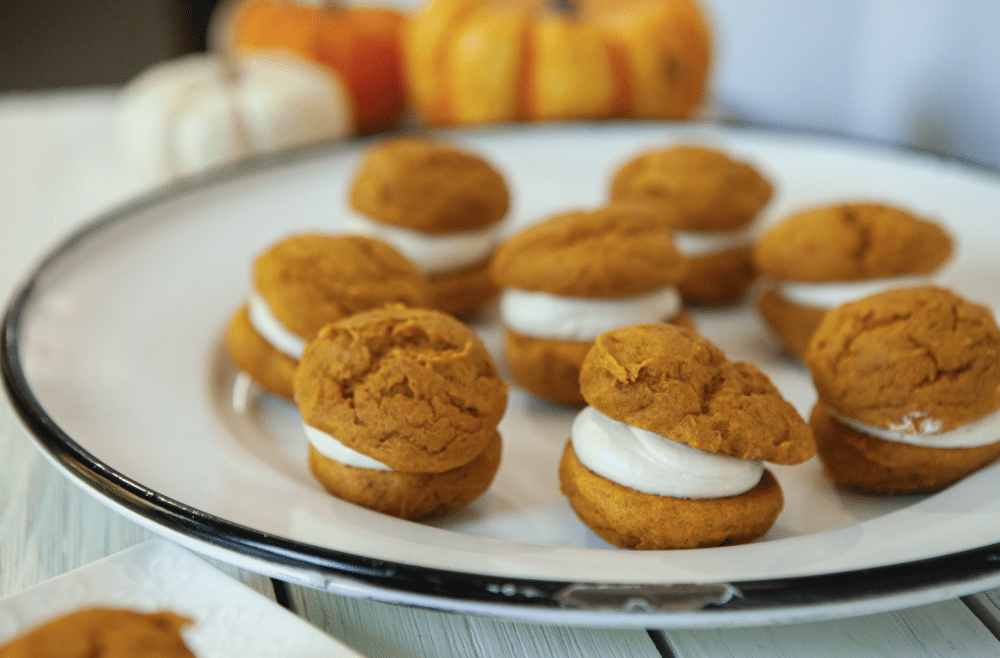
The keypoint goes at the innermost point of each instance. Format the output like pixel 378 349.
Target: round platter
pixel 112 356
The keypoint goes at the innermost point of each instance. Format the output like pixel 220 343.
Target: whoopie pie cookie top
pixel 428 186
pixel 672 381
pixel 852 242
pixel 694 188
pixel 309 280
pixel 613 251
pixel 921 353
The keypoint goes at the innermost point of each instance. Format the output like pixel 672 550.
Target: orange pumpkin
pixel 478 61
pixel 361 43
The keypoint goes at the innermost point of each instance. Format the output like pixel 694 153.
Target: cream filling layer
pixel 271 329
pixel 833 294
pixel 919 429
pixel 554 317
pixel 647 462
pixel 331 448
pixel 431 253
pixel 703 243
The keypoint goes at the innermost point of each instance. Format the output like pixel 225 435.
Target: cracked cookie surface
pixel 851 242
pixel 674 382
pixel 921 350
pixel 413 388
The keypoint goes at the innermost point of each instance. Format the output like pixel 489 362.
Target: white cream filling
pixel 431 253
pixel 919 429
pixel 271 329
pixel 704 243
pixel 554 317
pixel 833 294
pixel 647 462
pixel 333 449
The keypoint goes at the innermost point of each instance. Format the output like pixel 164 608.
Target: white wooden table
pixel 59 168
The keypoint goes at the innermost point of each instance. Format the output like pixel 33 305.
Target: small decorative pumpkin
pixel 478 61
pixel 361 43
pixel 197 111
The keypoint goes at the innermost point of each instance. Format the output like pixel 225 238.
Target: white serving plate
pixel 229 620
pixel 113 358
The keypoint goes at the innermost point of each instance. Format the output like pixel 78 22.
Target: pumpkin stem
pixel 331 6
pixel 566 7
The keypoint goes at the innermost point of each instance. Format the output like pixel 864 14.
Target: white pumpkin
pixel 201 110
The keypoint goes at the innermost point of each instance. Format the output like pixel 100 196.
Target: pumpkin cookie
pixel 908 383
pixel 304 282
pixel 104 632
pixel 820 258
pixel 400 407
pixel 669 453
pixel 574 276
pixel 442 207
pixel 709 201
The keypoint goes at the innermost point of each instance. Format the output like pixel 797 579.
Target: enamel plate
pixel 113 358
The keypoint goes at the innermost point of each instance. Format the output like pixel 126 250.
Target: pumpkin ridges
pixel 655 35
pixel 424 48
pixel 624 75
pixel 567 66
pixel 370 61
pixel 480 68
pixel 571 56
pixel 525 99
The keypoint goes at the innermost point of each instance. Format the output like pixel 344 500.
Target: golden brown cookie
pixel 412 388
pixel 309 280
pixel 913 360
pixel 428 186
pixel 674 382
pixel 606 255
pixel 909 351
pixel 409 495
pixel 701 192
pixel 694 188
pixel 852 242
pixel 550 369
pixel 251 353
pixel 104 633
pixel 632 519
pixel 859 461
pixel 440 192
pixel 614 251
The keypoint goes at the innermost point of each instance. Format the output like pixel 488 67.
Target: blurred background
pixel 923 73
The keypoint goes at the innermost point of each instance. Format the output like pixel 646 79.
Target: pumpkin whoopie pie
pixel 442 207
pixel 304 282
pixel 669 452
pixel 571 277
pixel 710 201
pixel 401 408
pixel 908 382
pixel 819 258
